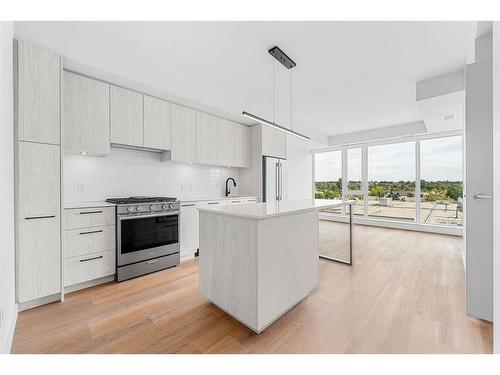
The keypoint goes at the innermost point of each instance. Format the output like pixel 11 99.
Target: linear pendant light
pixel 275 126
pixel 288 63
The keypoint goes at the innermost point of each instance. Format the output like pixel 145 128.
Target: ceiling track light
pixel 288 63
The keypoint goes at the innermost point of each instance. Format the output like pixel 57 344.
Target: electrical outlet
pixel 80 188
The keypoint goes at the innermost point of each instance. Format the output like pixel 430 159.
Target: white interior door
pixel 479 190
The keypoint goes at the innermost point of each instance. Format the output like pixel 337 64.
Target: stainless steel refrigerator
pixel 274 179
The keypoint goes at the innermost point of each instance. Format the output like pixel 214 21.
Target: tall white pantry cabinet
pixel 37 129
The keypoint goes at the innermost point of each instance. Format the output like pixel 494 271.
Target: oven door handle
pixel 129 217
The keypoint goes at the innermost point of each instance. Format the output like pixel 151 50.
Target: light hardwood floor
pixel 404 294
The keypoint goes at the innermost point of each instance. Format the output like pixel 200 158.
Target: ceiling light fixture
pixel 288 63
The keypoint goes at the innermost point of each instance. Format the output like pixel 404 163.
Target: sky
pixel 440 159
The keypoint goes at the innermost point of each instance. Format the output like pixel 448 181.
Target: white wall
pixel 7 267
pixel 299 168
pixel 131 172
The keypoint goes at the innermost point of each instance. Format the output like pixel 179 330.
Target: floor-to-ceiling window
pixel 391 181
pixel 328 176
pixel 415 180
pixel 441 182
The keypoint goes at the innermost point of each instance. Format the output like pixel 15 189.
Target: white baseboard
pixel 7 345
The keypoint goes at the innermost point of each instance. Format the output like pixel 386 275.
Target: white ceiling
pixel 350 76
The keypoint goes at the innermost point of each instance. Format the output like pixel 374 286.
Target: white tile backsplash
pixel 131 172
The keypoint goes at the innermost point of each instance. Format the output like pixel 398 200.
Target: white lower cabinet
pixel 189 222
pixel 88 267
pixel 89 244
pixel 38 258
pixel 188 230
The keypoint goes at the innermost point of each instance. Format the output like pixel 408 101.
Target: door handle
pixel 481 196
pixel 90 212
pixel 93 231
pixel 94 258
pixel 276 188
pixel 40 217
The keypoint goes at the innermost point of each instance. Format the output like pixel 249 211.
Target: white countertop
pixel 71 205
pixel 266 210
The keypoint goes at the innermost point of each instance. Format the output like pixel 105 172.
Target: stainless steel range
pixel 147 235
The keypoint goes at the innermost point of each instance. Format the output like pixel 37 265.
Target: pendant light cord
pixel 273 89
pixel 291 103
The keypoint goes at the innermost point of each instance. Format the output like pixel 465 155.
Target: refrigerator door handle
pixel 276 185
pixel 281 180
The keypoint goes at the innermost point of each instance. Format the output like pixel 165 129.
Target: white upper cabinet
pixel 206 138
pixel 242 146
pixel 226 142
pixel 273 142
pixel 183 134
pixel 127 117
pixel 157 128
pixel 233 144
pixel 38 94
pixel 85 115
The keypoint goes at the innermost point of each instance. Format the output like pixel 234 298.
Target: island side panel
pixel 228 264
pixel 288 263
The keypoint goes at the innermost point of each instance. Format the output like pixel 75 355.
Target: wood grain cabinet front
pixel 38 94
pixel 85 115
pixel 183 134
pixel 126 117
pixel 157 128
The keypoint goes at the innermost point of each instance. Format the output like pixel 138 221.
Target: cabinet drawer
pixel 84 241
pixel 88 267
pixel 88 217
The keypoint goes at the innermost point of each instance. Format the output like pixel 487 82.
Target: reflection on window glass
pixel 328 176
pixel 391 181
pixel 354 169
pixel 441 181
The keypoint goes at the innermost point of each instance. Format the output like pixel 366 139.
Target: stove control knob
pixel 130 209
pixel 151 207
pixel 171 205
pixel 164 207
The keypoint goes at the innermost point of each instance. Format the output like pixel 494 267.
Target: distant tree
pixel 435 195
pixel 454 191
pixel 331 194
pixel 319 195
pixel 377 191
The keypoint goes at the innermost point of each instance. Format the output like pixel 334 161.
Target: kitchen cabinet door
pixel 157 123
pixel 39 180
pixel 183 134
pixel 38 255
pixel 38 94
pixel 38 258
pixel 85 115
pixel 189 230
pixel 227 142
pixel 206 139
pixel 126 117
pixel 242 146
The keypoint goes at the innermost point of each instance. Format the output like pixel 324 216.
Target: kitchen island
pixel 258 260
